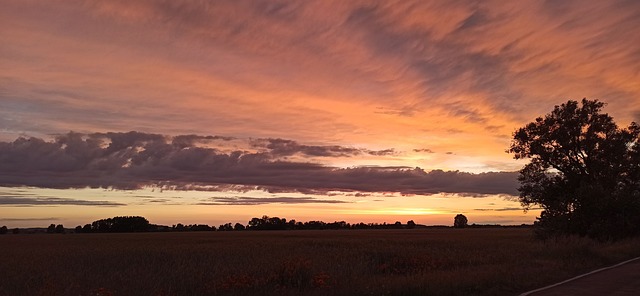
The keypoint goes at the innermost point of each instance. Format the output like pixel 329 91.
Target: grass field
pixel 357 262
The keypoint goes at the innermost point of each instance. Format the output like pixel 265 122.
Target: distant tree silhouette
pixel 238 226
pixel 59 228
pixel 200 227
pixel 314 225
pixel 267 223
pixel 51 228
pixel 140 224
pixel 86 228
pixel 460 221
pixel 225 227
pixel 337 225
pixel 121 224
pixel 181 227
pixel 276 223
pixel 584 172
pixel 255 223
pixel 4 230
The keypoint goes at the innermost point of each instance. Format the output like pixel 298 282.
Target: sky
pixel 365 111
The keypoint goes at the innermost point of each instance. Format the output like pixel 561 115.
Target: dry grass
pixel 359 262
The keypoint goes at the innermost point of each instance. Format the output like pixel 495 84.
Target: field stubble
pixel 357 262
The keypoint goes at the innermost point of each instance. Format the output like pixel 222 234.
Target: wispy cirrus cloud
pixel 283 147
pixel 423 150
pixel 332 73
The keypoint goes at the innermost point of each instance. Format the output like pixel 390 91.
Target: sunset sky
pixel 219 111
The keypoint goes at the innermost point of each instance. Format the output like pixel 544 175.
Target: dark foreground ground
pixel 343 262
pixel 623 280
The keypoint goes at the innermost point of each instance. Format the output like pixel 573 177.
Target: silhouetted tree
pixel 121 224
pixel 4 230
pixel 584 172
pixel 460 221
pixel 59 228
pixel 314 225
pixel 78 229
pixel 337 225
pixel 238 226
pixel 86 228
pixel 255 223
pixel 181 227
pixel 201 227
pixel 411 224
pixel 276 223
pixel 51 228
pixel 292 224
pixel 267 223
pixel 225 227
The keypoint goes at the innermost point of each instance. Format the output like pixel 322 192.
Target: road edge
pixel 577 277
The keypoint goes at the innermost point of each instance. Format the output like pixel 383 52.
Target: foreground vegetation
pixel 584 172
pixel 501 261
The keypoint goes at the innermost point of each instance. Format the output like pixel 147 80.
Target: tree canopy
pixel 584 171
pixel 460 221
pixel 121 224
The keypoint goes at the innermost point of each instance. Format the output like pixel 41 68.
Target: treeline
pixel 141 224
pixel 120 224
pixel 5 230
pixel 276 223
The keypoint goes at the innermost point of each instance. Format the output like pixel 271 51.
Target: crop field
pixel 504 261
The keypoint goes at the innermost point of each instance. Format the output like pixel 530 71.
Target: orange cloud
pixel 452 76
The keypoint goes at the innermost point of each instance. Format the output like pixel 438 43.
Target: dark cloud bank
pixel 52 201
pixel 133 160
pixel 241 200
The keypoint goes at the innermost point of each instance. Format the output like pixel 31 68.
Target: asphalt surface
pixel 623 280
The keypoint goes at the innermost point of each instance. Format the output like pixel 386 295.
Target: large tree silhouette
pixel 584 171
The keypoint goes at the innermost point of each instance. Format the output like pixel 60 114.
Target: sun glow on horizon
pixel 34 207
pixel 300 109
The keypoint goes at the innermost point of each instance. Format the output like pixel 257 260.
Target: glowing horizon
pixel 314 92
pixel 195 207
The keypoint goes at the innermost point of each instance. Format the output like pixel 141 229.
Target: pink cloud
pixel 336 73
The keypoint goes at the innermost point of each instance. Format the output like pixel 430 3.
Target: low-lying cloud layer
pixel 52 201
pixel 245 200
pixel 134 160
pixel 28 219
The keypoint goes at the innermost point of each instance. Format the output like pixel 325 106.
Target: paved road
pixel 623 280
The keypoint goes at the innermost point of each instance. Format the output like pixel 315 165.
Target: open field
pixel 357 262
